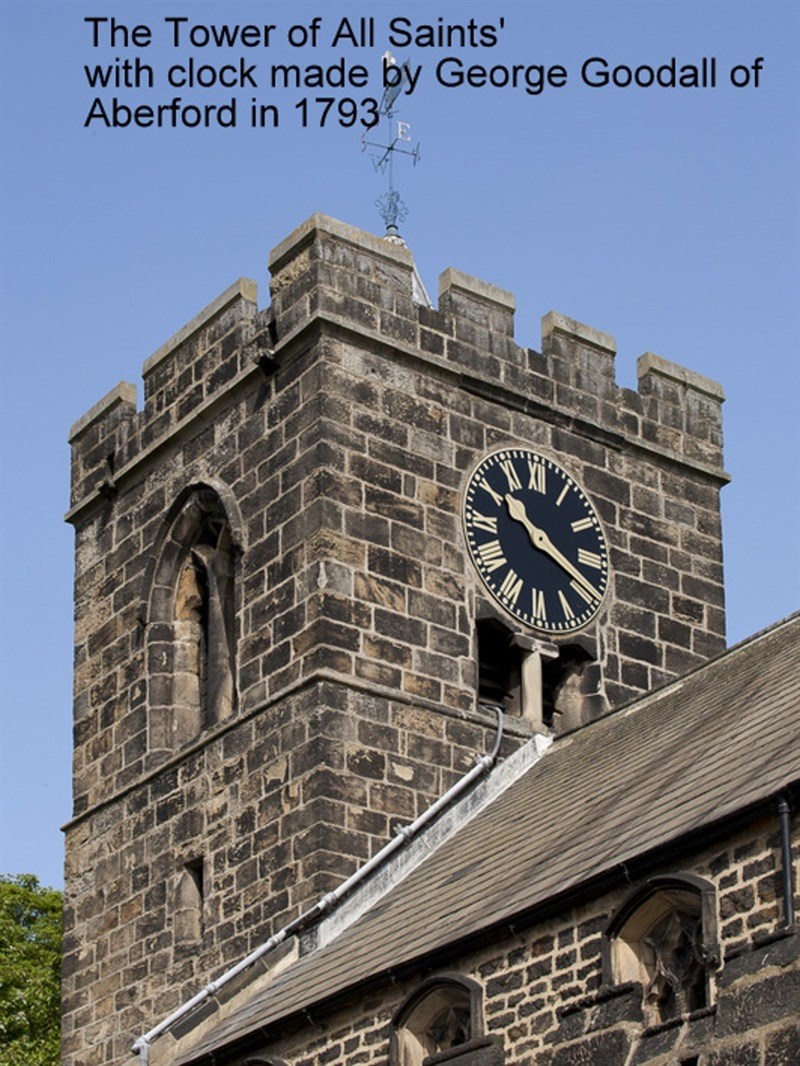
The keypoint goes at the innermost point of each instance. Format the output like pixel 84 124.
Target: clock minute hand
pixel 539 539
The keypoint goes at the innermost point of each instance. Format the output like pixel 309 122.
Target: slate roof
pixel 695 752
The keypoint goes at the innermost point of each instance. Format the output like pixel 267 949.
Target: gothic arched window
pixel 440 1015
pixel 188 904
pixel 191 638
pixel 664 938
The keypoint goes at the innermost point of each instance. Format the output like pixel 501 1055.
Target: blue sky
pixel 666 217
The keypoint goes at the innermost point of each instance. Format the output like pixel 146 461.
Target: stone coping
pixel 555 322
pixel 245 288
pixel 452 280
pixel 319 223
pixel 650 363
pixel 123 393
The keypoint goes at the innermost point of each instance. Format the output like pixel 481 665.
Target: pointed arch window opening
pixel 189 903
pixel 192 655
pixel 664 937
pixel 204 623
pixel 442 1015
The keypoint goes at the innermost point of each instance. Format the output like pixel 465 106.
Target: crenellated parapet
pixel 182 380
pixel 329 273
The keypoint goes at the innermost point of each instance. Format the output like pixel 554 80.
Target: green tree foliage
pixel 30 972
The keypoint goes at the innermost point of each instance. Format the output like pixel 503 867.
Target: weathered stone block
pixel 611 1047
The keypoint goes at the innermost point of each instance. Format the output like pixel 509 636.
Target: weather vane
pixel 398 134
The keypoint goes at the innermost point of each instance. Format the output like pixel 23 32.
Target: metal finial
pixel 392 210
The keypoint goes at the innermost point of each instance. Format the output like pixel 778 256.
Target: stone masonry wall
pixel 337 428
pixel 543 991
pixel 281 808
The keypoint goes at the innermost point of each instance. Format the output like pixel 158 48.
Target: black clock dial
pixel 535 540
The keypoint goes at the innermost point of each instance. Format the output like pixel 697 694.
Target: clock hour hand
pixel 539 539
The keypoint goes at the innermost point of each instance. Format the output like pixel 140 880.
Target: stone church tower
pixel 293 621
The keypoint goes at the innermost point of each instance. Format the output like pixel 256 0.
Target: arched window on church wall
pixel 188 904
pixel 191 624
pixel 664 937
pixel 442 1014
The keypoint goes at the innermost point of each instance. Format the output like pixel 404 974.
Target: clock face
pixel 535 540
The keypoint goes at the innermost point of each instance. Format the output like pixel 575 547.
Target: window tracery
pixel 441 1015
pixel 675 964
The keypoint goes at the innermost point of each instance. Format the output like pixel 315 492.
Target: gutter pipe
pixel 404 833
pixel 786 862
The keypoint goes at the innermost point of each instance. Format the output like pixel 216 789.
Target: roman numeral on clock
pixel 511 475
pixel 537 478
pixel 538 609
pixel 498 499
pixel 482 521
pixel 589 558
pixel 565 607
pixel 511 587
pixel 581 525
pixel 492 555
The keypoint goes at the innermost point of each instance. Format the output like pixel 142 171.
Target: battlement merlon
pixel 329 275
pixel 96 438
pixel 652 369
pixel 119 402
pixel 185 376
pixel 243 290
